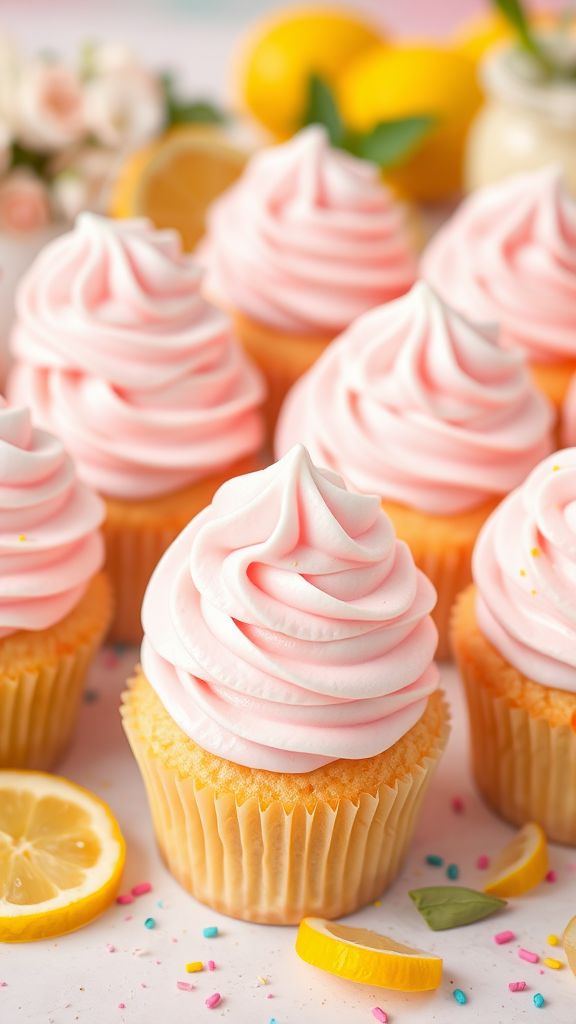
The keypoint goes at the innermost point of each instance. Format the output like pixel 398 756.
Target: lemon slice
pixel 61 856
pixel 174 179
pixel 367 957
pixel 522 864
pixel 569 943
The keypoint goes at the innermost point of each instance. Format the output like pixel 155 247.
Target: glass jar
pixel 527 121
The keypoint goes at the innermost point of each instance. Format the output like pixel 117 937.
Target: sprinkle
pixel 553 940
pixel 3 984
pixel 129 917
pixel 21 537
pixel 539 1000
pixel 110 947
pixel 522 572
pixel 483 862
pixel 121 1006
pixel 184 986
pixel 377 903
pixel 434 860
pixel 555 469
pixel 554 965
pixel 525 954
pixel 380 1014
pixel 194 967
pixel 460 996
pixel 552 876
pixel 533 593
pixel 535 552
pixel 211 932
pixel 273 1020
pixel 141 889
pixel 457 804
pixel 210 965
pixel 125 899
pixel 452 872
pixel 517 986
pixel 149 922
pixel 501 937
pixel 262 980
pixel 160 903
pixel 213 1000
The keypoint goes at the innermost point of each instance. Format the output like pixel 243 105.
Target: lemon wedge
pixel 61 856
pixel 569 943
pixel 522 864
pixel 361 955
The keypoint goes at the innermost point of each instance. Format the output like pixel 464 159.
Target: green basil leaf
pixel 448 906
pixel 391 142
pixel 322 108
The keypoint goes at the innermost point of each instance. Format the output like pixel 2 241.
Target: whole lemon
pixel 387 83
pixel 278 57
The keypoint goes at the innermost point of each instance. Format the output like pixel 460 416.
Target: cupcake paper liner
pixel 275 865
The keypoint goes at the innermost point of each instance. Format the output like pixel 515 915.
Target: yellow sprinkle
pixel 262 980
pixel 195 966
pixel 533 592
pixel 535 552
pixel 22 536
pixel 555 965
pixel 522 572
pixel 555 469
pixel 553 940
pixel 377 903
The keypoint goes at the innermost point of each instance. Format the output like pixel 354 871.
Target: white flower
pixel 49 113
pixel 125 107
pixel 10 68
pixel 84 182
pixel 24 203
pixel 105 58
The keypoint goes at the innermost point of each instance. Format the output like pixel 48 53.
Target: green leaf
pixel 198 111
pixel 391 142
pixel 321 108
pixel 515 14
pixel 448 906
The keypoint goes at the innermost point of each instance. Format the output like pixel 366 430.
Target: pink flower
pixel 49 106
pixel 24 204
pixel 124 107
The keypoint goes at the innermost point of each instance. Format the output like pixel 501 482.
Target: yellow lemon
pixel 276 60
pixel 389 83
pixel 521 865
pixel 174 179
pixel 569 944
pixel 361 955
pixel 61 856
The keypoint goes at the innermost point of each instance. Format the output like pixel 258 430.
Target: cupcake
pixel 286 717
pixel 508 255
pixel 55 602
pixel 415 404
pixel 514 636
pixel 304 242
pixel 118 354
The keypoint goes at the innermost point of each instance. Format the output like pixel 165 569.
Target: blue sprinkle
pixel 149 922
pixel 210 933
pixel 452 872
pixel 539 1000
pixel 160 904
pixel 273 1020
pixel 460 996
pixel 434 860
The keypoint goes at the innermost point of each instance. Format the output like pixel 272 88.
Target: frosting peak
pixel 416 404
pixel 286 627
pixel 122 357
pixel 50 546
pixel 308 239
pixel 524 567
pixel 508 256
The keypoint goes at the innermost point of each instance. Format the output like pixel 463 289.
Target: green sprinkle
pixel 460 996
pixel 451 906
pixel 452 872
pixel 210 933
pixel 434 860
pixel 149 922
pixel 539 1000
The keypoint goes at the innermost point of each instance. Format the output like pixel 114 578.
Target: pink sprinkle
pixel 143 984
pixel 483 862
pixel 502 937
pixel 141 889
pixel 270 995
pixel 184 986
pixel 110 947
pixel 3 984
pixel 213 1000
pixel 380 1014
pixel 457 804
pixel 525 954
pixel 129 917
pixel 517 986
pixel 124 899
pixel 121 1006
pixel 211 966
pixel 551 876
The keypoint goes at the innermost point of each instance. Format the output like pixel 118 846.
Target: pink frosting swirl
pixel 524 567
pixel 308 239
pixel 508 255
pixel 121 356
pixel 286 627
pixel 50 545
pixel 417 405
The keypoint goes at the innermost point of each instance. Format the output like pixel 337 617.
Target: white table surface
pixel 77 979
